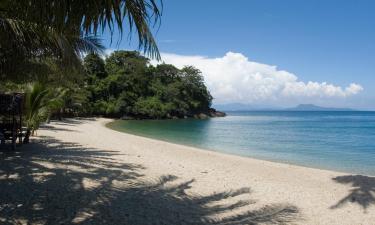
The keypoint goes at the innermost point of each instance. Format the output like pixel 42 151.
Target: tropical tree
pixel 94 67
pixel 132 87
pixel 63 28
pixel 23 58
pixel 40 102
pixel 194 89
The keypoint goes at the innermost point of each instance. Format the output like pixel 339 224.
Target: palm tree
pixel 39 28
pixel 40 102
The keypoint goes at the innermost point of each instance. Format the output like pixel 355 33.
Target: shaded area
pixel 53 182
pixel 73 121
pixel 166 202
pixel 54 128
pixel 362 193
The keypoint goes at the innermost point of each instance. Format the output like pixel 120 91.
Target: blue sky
pixel 319 41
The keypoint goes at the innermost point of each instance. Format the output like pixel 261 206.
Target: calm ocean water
pixel 341 141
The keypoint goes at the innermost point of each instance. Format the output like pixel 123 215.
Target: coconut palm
pixel 25 45
pixel 37 28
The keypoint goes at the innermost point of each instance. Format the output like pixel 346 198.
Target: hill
pixel 311 107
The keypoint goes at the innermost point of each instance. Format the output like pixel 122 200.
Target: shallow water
pixel 341 141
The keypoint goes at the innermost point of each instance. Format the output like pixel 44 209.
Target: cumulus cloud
pixel 234 78
pixel 107 52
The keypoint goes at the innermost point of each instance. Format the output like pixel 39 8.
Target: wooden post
pixel 14 128
pixel 20 122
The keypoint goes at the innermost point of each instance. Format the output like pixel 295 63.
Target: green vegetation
pixel 41 47
pixel 32 32
pixel 126 85
pixel 40 102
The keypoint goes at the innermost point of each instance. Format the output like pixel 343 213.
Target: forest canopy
pixel 126 85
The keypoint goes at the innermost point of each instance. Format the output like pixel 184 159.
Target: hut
pixel 11 109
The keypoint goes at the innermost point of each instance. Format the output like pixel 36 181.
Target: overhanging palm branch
pixel 90 16
pixel 24 44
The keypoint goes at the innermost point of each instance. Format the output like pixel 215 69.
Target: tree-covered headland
pixel 41 48
pixel 126 85
pixel 123 85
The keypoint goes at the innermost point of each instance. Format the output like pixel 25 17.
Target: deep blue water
pixel 341 141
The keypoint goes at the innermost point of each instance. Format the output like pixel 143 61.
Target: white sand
pixel 279 193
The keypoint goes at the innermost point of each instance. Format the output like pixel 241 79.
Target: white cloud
pixel 234 78
pixel 353 88
pixel 107 52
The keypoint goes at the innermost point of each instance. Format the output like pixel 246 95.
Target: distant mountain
pixel 311 107
pixel 247 107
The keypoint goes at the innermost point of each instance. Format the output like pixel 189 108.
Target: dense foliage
pixel 32 31
pixel 40 102
pixel 126 85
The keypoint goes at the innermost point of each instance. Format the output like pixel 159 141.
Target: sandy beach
pixel 80 172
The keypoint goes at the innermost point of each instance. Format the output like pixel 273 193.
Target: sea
pixel 335 140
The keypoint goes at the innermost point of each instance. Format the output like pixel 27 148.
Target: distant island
pixel 301 107
pixel 311 107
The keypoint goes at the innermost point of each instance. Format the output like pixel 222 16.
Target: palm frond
pixel 40 102
pixel 88 44
pixel 20 42
pixel 91 16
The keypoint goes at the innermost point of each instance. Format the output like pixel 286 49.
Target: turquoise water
pixel 341 141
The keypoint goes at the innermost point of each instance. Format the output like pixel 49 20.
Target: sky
pixel 272 52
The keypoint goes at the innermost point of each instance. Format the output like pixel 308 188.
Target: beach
pixel 78 171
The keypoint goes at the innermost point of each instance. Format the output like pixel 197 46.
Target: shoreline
pixel 169 183
pixel 197 148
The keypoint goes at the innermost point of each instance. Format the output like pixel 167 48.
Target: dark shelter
pixel 11 110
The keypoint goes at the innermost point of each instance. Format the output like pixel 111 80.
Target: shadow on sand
pixel 362 192
pixel 53 182
pixel 54 128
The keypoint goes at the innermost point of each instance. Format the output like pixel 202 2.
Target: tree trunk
pixel 26 140
pixel 59 115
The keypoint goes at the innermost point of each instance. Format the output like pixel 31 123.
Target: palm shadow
pixel 73 121
pixel 167 202
pixel 54 182
pixel 362 192
pixel 54 128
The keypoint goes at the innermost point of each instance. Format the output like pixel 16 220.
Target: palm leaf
pixel 90 16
